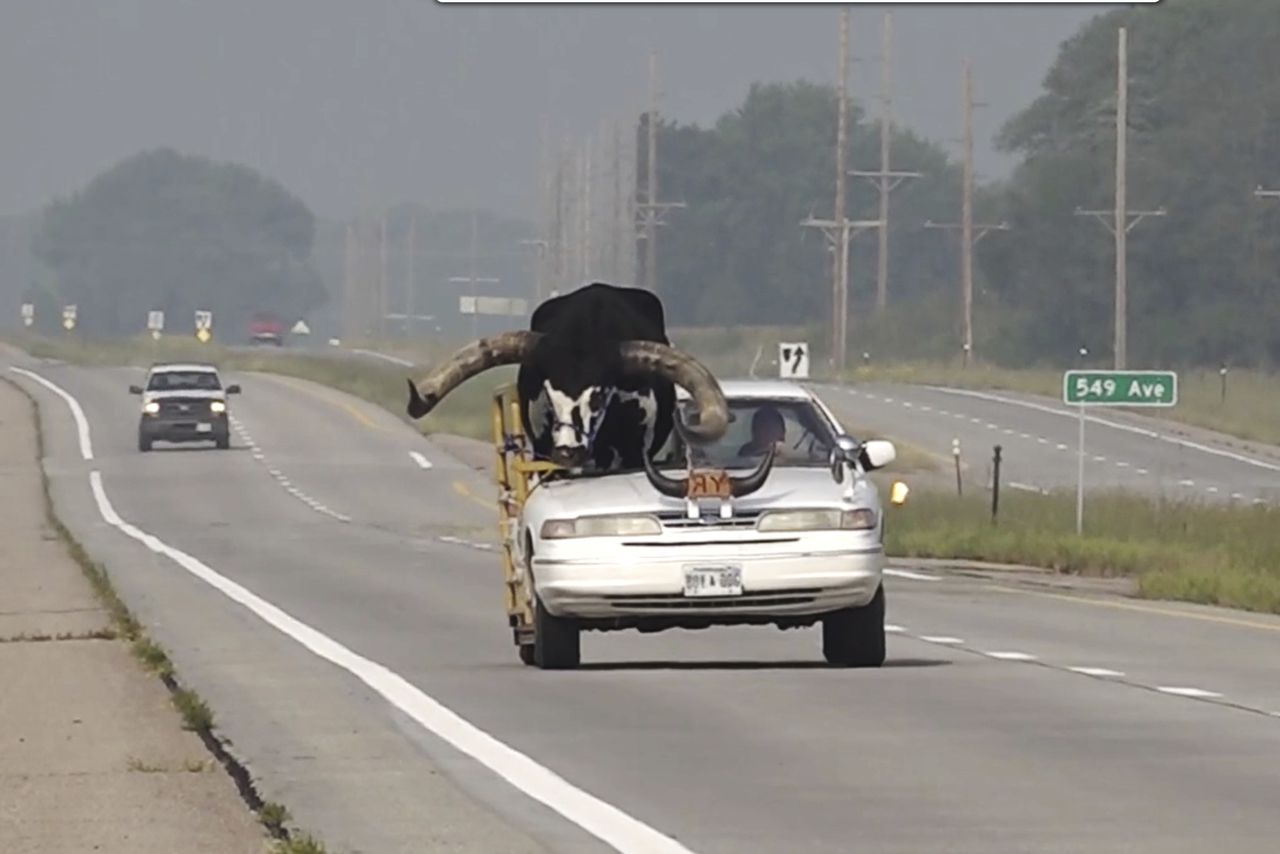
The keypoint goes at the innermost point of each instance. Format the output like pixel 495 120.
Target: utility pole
pixel 651 210
pixel 1123 220
pixel 382 279
pixel 839 229
pixel 411 283
pixel 474 279
pixel 885 179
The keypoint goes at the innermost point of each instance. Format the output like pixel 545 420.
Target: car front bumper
pixel 184 429
pixel 774 583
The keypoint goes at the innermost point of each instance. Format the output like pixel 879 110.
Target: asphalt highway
pixel 1039 441
pixel 329 586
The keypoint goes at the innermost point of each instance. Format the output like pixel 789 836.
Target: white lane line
pixel 1151 434
pixel 888 400
pixel 82 423
pixel 1025 435
pixel 1027 487
pixel 1042 440
pixel 1061 447
pixel 941 639
pixel 1186 483
pixel 1122 464
pixel 1212 489
pixel 914 576
pixel 991 426
pixel 908 404
pixel 975 420
pixel 894 629
pixel 1095 671
pixel 422 461
pixel 1142 471
pixel 601 819
pixel 924 408
pixel 1011 656
pixel 1236 496
pixel 1008 432
pixel 1099 459
pixel 1186 692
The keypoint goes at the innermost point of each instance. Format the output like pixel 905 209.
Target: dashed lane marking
pixel 1011 656
pixel 943 639
pixel 914 576
pixel 1186 483
pixel 280 477
pixel 1145 609
pixel 1187 692
pixel 422 461
pixel 891 629
pixel 461 488
pixel 1095 671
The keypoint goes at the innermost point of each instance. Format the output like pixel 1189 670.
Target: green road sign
pixel 1120 388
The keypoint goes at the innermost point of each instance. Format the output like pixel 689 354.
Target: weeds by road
pixel 1207 553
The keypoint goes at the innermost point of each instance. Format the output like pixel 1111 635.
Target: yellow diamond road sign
pixel 203 335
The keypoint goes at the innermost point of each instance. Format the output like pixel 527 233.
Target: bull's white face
pixel 574 421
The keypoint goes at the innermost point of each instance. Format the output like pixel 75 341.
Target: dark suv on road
pixel 183 402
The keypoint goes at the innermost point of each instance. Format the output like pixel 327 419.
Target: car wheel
pixel 526 653
pixel 224 442
pixel 144 443
pixel 556 641
pixel 854 637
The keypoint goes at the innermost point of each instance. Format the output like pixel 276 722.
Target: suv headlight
pixel 859 519
pixel 151 408
pixel 217 406
pixel 600 526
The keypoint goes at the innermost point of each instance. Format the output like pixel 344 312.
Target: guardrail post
pixel 955 452
pixel 995 486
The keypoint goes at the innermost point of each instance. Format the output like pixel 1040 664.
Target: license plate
pixel 709 483
pixel 204 428
pixel 713 581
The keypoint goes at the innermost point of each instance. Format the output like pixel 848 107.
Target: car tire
pixel 527 654
pixel 223 442
pixel 556 641
pixel 144 443
pixel 854 637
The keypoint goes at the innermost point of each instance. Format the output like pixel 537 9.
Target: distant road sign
pixel 69 317
pixel 28 314
pixel 301 328
pixel 204 320
pixel 1120 388
pixel 793 360
pixel 155 321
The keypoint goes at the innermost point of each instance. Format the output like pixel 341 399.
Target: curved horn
pixel 669 486
pixel 477 357
pixel 650 357
pixel 747 484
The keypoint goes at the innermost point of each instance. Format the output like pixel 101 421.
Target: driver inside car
pixel 767 428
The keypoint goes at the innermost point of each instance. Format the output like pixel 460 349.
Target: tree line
pixel 1204 131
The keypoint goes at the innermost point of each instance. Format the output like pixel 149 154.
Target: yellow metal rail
pixel 515 470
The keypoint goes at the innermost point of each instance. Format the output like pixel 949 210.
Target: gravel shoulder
pixel 93 755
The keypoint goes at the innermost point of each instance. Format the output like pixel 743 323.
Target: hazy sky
pixel 359 103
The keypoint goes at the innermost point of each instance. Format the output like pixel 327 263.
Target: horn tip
pixel 419 405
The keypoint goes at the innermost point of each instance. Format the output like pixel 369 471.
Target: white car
pixel 611 552
pixel 183 402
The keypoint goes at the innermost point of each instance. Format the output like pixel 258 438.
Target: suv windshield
pixel 803 435
pixel 183 381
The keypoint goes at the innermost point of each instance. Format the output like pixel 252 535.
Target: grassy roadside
pixel 1248 412
pixel 1204 553
pixel 1208 554
pixel 195 713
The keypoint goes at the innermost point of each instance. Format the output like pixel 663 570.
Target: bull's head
pixel 578 382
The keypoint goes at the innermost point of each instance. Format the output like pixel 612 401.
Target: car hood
pixel 632 493
pixel 193 394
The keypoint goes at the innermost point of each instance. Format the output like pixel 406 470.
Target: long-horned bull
pixel 597 379
pixel 674 487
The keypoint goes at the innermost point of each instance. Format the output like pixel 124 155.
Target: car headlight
pixel 217 406
pixel 600 526
pixel 859 519
pixel 151 408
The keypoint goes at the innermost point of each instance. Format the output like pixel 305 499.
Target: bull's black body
pixel 578 356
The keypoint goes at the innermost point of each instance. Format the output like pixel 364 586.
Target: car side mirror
pixel 233 389
pixel 876 454
pixel 133 389
pixel 843 454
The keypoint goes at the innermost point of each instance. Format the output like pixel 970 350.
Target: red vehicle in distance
pixel 266 328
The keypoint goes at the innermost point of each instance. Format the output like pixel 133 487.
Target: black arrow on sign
pixel 799 356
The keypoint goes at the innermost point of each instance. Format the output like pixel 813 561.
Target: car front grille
pixel 180 407
pixel 709 521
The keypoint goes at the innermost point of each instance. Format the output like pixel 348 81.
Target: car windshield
pixel 184 381
pixel 802 434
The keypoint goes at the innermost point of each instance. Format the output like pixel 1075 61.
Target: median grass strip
pixel 1195 552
